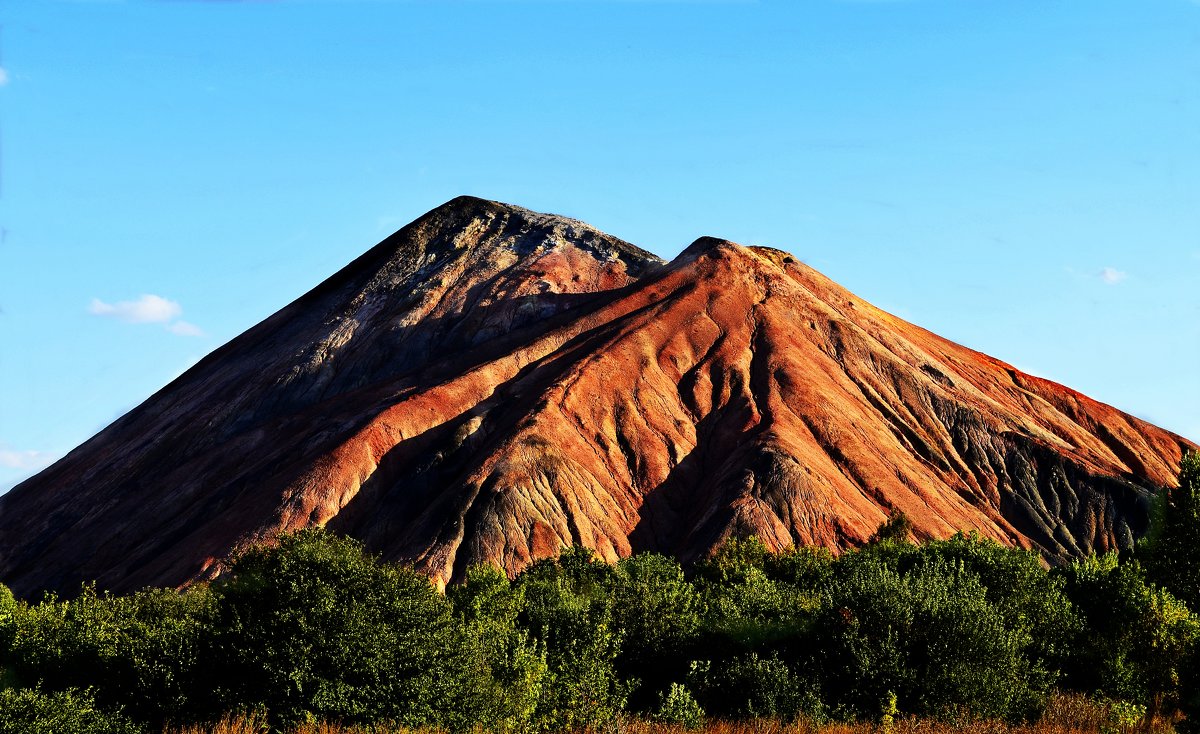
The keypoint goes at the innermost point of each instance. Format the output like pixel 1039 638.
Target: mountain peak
pixel 465 222
pixel 709 246
pixel 717 247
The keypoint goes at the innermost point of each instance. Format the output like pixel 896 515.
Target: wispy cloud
pixel 1112 276
pixel 3 77
pixel 185 328
pixel 147 309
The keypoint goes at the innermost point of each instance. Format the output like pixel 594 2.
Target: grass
pixel 1066 714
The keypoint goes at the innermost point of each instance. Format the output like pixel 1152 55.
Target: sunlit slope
pixel 491 384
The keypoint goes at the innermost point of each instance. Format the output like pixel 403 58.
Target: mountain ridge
pixel 489 384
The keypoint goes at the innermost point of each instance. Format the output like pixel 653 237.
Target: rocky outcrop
pixel 490 384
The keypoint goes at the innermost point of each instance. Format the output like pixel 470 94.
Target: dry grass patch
pixel 1066 714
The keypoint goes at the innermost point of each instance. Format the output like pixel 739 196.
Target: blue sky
pixel 1021 176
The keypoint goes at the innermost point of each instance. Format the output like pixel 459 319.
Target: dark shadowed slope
pixel 490 384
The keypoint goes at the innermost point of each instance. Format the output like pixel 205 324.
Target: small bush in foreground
pixel 314 629
pixel 678 707
pixel 29 711
pixel 136 651
pixel 1139 639
pixel 569 610
pixel 931 638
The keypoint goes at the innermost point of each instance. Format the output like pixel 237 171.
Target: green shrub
pixel 137 651
pixel 930 637
pixel 676 706
pixel 750 686
pixel 898 528
pixel 1017 584
pixel 9 607
pixel 732 562
pixel 510 669
pixel 568 610
pixel 29 711
pixel 657 613
pixel 744 608
pixel 314 629
pixel 806 569
pixel 1138 641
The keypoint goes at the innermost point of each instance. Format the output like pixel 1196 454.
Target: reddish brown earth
pixel 490 385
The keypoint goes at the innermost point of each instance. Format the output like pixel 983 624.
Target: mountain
pixel 490 384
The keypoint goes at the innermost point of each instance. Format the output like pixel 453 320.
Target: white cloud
pixel 16 459
pixel 3 77
pixel 185 328
pixel 148 309
pixel 1112 276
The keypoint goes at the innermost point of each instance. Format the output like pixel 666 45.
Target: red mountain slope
pixel 490 384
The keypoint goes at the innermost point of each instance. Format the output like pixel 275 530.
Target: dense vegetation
pixel 314 629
